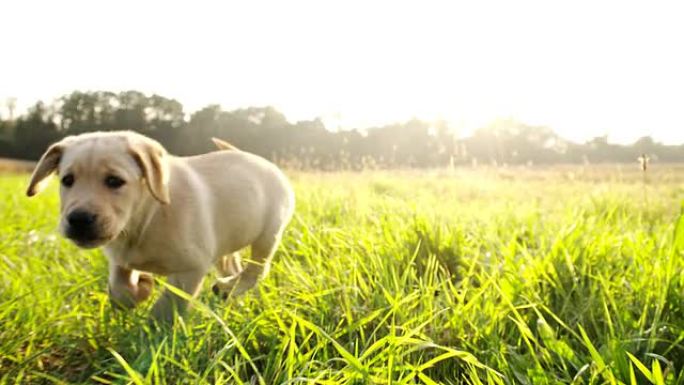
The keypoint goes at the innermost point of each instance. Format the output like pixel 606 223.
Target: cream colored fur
pixel 174 216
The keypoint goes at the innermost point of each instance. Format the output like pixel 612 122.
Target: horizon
pixel 584 70
pixel 457 134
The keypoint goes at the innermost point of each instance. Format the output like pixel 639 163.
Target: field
pixel 15 166
pixel 570 275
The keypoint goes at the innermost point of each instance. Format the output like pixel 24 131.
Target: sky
pixel 583 68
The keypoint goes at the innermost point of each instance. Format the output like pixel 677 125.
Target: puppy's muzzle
pixel 82 226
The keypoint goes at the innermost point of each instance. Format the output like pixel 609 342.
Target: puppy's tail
pixel 223 145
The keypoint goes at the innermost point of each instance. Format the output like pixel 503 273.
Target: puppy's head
pixel 104 178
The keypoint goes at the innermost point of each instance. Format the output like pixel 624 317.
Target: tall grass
pixel 437 278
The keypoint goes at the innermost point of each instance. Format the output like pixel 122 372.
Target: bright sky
pixel 584 68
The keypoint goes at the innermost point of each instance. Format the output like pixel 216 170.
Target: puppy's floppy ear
pixel 151 158
pixel 46 166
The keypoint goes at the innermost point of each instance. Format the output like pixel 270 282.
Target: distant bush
pixel 308 144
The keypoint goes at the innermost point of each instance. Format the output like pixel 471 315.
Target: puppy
pixel 154 213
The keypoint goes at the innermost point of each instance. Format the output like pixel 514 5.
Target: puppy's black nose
pixel 81 219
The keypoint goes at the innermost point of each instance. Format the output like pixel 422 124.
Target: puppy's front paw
pixel 144 287
pixel 232 286
pixel 127 296
pixel 163 315
pixel 121 300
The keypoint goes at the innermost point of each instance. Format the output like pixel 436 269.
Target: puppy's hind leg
pixel 229 265
pixel 256 268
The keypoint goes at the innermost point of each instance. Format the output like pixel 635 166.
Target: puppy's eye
pixel 68 180
pixel 114 182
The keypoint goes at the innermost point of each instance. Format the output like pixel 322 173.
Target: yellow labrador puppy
pixel 159 214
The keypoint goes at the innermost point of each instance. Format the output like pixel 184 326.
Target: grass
pixel 461 277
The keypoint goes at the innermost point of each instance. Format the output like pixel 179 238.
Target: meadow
pixel 565 275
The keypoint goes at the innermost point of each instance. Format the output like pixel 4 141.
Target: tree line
pixel 307 144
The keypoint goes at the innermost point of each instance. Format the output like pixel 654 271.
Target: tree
pixel 35 132
pixel 267 132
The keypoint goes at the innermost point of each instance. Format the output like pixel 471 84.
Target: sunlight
pixel 584 69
